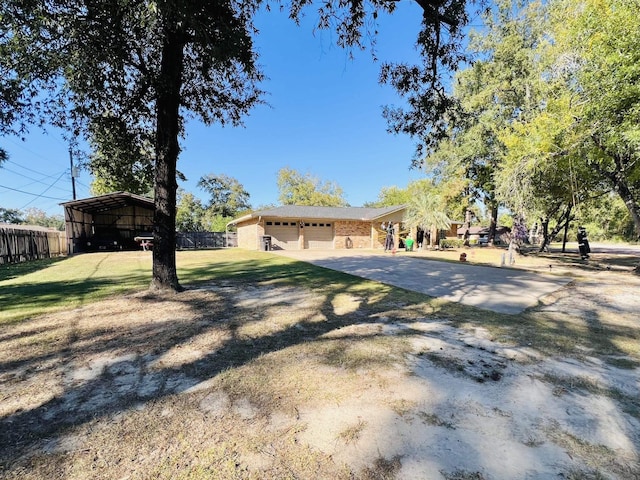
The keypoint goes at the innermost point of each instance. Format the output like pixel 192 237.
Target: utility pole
pixel 73 177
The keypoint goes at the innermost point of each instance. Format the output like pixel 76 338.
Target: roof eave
pixel 390 212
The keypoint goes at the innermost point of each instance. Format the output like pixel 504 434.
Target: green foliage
pixel 35 216
pixel 426 210
pixel 11 215
pixel 193 216
pixel 32 216
pixel 190 213
pixel 297 189
pixel 463 147
pixel 122 160
pixel 390 196
pixel 607 218
pixel 228 196
pixel 217 223
pixel 505 220
pixel 581 140
pixel 451 243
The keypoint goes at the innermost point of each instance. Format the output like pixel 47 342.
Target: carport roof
pixel 109 201
pixel 331 213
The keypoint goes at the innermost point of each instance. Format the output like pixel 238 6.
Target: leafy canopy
pixel 298 189
pixel 227 195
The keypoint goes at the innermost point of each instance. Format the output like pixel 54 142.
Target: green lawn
pixel 35 288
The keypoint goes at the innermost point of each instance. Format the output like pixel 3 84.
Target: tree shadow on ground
pixel 105 369
pixel 15 270
pixel 127 366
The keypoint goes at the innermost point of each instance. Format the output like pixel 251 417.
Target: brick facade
pixel 249 234
pixel 352 234
pixel 350 227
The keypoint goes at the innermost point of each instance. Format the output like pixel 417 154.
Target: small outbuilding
pixel 294 227
pixel 107 222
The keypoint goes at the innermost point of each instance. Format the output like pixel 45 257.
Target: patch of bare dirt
pixel 251 381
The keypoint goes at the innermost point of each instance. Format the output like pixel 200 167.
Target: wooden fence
pixel 197 240
pixel 22 243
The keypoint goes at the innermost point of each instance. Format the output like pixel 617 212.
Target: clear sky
pixel 323 118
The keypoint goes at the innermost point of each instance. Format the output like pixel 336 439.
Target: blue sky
pixel 323 118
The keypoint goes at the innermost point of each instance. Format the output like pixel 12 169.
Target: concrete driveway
pixel 502 290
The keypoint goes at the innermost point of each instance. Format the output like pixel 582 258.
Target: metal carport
pixel 110 221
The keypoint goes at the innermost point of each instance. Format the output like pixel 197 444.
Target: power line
pixel 45 190
pixel 33 194
pixel 27 168
pixel 32 179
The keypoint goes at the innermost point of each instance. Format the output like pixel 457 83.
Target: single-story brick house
pixel 294 227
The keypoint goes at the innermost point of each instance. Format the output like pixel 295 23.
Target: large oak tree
pixel 150 64
pixel 146 64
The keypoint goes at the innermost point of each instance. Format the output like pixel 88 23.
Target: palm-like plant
pixel 426 211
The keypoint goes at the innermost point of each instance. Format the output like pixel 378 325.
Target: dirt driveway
pixel 502 290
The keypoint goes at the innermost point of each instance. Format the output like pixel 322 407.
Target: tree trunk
pixel 494 223
pixel 544 223
pixel 167 149
pixel 632 206
pixel 467 226
pixel 620 181
pixel 563 221
pixel 564 237
pixel 622 186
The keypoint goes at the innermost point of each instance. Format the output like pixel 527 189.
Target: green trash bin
pixel 408 245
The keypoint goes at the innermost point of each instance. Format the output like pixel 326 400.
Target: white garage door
pixel 318 235
pixel 284 234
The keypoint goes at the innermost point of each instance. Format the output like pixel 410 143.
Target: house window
pixel 277 223
pixel 314 224
pixel 307 224
pixel 269 223
pixel 328 225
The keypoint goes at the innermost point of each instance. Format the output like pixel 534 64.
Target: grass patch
pixel 352 433
pixel 585 475
pixel 451 364
pixel 593 455
pixel 50 285
pixel 382 469
pixel 435 420
pixel 402 407
pixel 623 363
pixel 564 384
pixel 376 352
pixel 47 285
pixel 462 475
